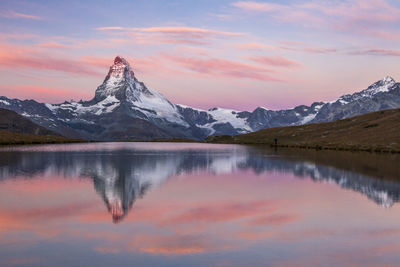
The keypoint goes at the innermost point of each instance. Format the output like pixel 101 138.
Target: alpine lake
pixel 192 204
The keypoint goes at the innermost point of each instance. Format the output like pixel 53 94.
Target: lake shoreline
pixel 220 140
pixel 319 147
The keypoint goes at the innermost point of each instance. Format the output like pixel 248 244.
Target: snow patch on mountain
pixel 153 104
pixel 308 118
pixel 218 116
pixel 105 106
pixel 229 116
pixel 5 102
pixel 197 109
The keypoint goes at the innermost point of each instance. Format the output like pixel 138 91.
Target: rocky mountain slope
pixel 123 108
pixel 377 131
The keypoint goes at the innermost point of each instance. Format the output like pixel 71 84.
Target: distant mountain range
pixel 376 131
pixel 123 108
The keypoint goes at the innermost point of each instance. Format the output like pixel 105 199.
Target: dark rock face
pixel 123 108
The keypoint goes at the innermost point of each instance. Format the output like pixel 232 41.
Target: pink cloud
pixel 191 31
pixel 257 46
pixel 259 7
pixel 313 50
pixel 39 93
pixel 53 45
pixel 169 35
pixel 371 18
pixel 109 28
pixel 157 39
pixel 289 46
pixel 256 235
pixel 378 52
pixel 386 249
pixel 277 61
pixel 45 63
pixel 276 219
pixel 18 36
pixel 101 62
pixel 225 17
pixel 217 67
pixel 21 57
pixel 16 15
pixel 195 32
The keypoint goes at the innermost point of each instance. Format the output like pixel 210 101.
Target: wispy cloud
pixel 53 45
pixel 110 28
pixel 288 46
pixel 259 7
pixel 170 35
pixel 195 32
pixel 41 93
pixel 18 15
pixel 377 52
pixel 276 61
pixel 257 46
pixel 373 18
pixel 20 58
pixel 275 220
pixel 306 48
pixel 47 63
pixel 219 67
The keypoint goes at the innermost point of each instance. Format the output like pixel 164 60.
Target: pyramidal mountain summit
pixel 123 108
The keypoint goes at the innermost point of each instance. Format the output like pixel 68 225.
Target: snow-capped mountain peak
pixel 124 108
pixel 122 84
pixel 388 79
pixel 383 85
pixel 119 79
pixel 121 69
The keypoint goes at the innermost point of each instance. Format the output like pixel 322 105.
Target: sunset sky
pixel 233 54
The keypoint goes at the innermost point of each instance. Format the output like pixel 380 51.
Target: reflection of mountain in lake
pixel 121 176
pixel 383 192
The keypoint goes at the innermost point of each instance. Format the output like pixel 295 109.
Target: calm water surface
pixel 157 204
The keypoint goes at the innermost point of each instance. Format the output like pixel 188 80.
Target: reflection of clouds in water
pixel 122 175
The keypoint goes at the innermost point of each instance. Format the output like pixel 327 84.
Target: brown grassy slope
pixel 13 122
pixel 11 138
pixel 378 131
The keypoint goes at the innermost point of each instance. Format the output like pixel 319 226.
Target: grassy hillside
pixel 13 122
pixel 16 129
pixel 11 138
pixel 378 131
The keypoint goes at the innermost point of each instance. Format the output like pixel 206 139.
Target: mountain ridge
pixel 377 131
pixel 124 108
